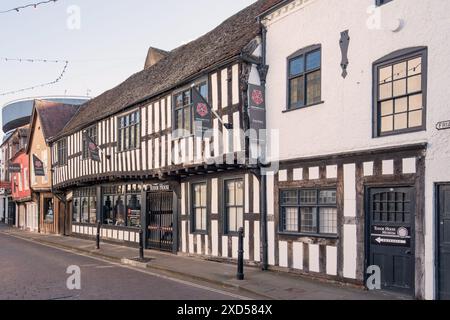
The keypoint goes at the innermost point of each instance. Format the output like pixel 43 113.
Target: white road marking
pixel 184 282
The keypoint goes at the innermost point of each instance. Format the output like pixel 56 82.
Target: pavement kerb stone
pixel 126 261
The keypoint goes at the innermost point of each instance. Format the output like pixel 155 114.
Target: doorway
pixel 443 238
pixel 160 222
pixel 390 237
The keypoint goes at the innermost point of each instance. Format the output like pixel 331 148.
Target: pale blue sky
pixel 110 46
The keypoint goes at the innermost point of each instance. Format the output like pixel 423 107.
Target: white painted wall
pixel 347 109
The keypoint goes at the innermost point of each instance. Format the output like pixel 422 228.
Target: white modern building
pixel 358 92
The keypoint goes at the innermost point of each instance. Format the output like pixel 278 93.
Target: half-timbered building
pixel 188 194
pixel 361 111
pixel 47 119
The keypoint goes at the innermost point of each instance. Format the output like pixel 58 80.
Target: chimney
pixel 154 55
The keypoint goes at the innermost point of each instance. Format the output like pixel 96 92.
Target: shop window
pixel 76 210
pixel 234 205
pixel 308 211
pixel 48 210
pixel 84 207
pixel 122 205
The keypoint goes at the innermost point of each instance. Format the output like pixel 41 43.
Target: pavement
pixel 219 277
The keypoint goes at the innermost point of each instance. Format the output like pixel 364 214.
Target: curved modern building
pixel 17 113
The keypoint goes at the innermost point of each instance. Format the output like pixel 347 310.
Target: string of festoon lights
pixel 31 5
pixel 61 75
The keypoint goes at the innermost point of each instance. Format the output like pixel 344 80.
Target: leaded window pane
pixel 313 88
pixel 308 220
pixel 308 197
pixel 328 220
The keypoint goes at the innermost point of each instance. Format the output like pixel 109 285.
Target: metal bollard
pixel 240 271
pixel 141 244
pixel 97 240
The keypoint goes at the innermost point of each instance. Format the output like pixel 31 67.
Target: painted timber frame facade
pixel 163 169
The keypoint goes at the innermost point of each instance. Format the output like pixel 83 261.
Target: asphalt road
pixel 31 271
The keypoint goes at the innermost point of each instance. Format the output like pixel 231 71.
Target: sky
pixel 105 41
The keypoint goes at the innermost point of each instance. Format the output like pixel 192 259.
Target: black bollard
pixel 240 271
pixel 97 240
pixel 141 245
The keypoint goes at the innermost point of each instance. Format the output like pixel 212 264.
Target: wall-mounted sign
pixel 158 187
pixel 14 167
pixel 443 125
pixel 391 236
pixel 38 166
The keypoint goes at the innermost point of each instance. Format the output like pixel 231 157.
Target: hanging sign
pixel 94 151
pixel 443 125
pixel 38 166
pixel 202 113
pixel 391 236
pixel 257 108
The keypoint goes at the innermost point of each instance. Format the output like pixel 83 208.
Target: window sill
pixel 310 235
pixel 123 151
pixel 399 132
pixel 304 107
pixel 199 232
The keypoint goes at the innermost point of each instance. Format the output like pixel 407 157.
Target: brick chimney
pixel 154 55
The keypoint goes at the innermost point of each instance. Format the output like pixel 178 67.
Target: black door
pixel 444 243
pixel 160 220
pixel 391 237
pixel 11 213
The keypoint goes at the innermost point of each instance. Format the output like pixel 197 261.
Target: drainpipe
pixel 262 69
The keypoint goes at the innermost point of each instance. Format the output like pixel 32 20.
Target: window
pixel 76 210
pixel 308 211
pixel 48 210
pixel 400 94
pixel 92 133
pixel 234 204
pixel 62 152
pixel 199 209
pixel 84 207
pixel 129 131
pixel 122 205
pixel 304 78
pixel 183 117
pixel 381 2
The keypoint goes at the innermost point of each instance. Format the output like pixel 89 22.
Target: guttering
pixel 263 196
pixel 274 8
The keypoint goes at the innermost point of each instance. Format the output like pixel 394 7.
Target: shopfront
pixel 124 209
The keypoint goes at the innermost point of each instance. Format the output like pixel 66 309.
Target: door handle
pixel 408 252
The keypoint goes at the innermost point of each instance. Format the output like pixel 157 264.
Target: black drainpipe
pixel 263 68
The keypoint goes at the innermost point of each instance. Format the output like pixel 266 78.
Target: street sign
pixel 391 236
pixel 443 125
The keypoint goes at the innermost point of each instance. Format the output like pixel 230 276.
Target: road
pixel 31 271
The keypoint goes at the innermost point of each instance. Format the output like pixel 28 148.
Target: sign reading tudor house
pixel 391 236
